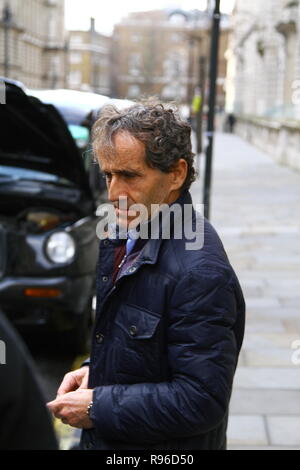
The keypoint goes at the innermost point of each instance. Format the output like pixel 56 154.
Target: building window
pixel 75 57
pixel 134 63
pixel 172 66
pixel 135 37
pixel 176 37
pixel 174 91
pixel 75 77
pixel 133 91
pixel 55 63
pixel 52 28
pixel 76 39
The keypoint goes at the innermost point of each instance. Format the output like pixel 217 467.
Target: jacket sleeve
pixel 202 356
pixel 86 362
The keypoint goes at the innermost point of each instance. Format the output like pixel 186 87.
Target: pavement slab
pixel 283 378
pixel 284 430
pixel 255 341
pixel 269 402
pixel 250 429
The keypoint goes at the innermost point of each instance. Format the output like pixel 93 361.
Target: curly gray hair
pixel 167 138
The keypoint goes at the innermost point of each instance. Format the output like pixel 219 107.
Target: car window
pixel 80 134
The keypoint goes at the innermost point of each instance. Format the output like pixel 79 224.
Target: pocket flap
pixel 137 322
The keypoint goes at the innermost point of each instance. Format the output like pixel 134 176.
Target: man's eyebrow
pixel 123 172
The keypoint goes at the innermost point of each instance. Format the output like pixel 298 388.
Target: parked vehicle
pixel 74 106
pixel 48 243
pixel 80 109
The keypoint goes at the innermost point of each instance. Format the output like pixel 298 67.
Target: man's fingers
pixel 84 383
pixel 53 407
pixel 69 384
pixel 50 405
pixel 74 380
pixel 56 409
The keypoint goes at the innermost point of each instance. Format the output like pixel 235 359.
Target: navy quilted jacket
pixel 165 346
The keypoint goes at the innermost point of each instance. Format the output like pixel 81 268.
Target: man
pixel 170 320
pixel 231 122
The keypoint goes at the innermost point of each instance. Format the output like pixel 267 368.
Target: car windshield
pixel 8 173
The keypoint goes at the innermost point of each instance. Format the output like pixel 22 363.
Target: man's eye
pixel 108 176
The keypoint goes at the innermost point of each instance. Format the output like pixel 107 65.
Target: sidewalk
pixel 256 210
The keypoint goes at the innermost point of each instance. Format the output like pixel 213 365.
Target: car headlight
pixel 60 247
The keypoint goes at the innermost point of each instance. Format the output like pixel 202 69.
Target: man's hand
pixel 71 408
pixel 74 380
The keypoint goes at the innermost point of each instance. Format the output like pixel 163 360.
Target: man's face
pixel 129 177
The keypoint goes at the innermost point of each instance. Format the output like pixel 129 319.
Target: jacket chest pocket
pixel 137 335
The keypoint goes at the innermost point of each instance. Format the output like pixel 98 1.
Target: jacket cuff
pixel 102 413
pixel 85 363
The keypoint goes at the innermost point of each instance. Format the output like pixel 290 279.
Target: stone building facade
pixel 263 78
pixel 89 61
pixel 264 58
pixel 158 52
pixel 32 42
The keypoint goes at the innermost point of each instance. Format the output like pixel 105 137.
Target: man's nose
pixel 116 189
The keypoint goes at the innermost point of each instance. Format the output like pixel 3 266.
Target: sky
pixel 79 12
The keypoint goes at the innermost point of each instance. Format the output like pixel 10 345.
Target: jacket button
pixel 106 242
pixel 133 330
pixel 132 269
pixel 99 338
pixel 104 278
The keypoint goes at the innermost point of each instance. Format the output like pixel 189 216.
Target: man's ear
pixel 179 174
